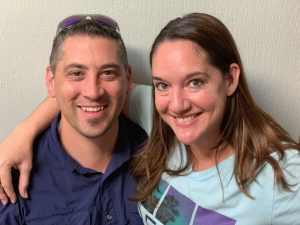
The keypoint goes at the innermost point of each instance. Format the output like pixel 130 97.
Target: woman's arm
pixel 16 149
pixel 139 107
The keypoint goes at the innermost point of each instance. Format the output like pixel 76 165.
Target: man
pixel 80 170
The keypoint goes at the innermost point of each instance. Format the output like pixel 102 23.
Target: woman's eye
pixel 196 83
pixel 161 86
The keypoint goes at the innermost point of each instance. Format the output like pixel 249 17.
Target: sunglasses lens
pixel 70 21
pixel 107 22
pixel 100 19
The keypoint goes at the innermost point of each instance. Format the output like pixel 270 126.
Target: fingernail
pixel 4 202
pixel 25 194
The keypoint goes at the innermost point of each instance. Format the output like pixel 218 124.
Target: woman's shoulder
pixel 286 203
pixel 140 106
pixel 291 157
pixel 291 166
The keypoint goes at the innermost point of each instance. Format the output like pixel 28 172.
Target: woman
pixel 213 156
pixel 229 154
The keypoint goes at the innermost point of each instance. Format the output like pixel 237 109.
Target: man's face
pixel 90 84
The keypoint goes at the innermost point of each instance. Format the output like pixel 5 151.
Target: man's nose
pixel 92 87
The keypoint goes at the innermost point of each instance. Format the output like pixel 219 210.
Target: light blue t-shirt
pixel 212 197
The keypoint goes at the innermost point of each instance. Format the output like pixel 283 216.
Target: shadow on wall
pixel 141 73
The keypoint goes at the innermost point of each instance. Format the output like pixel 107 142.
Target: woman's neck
pixel 205 156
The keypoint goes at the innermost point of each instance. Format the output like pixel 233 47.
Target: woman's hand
pixel 15 152
pixel 16 149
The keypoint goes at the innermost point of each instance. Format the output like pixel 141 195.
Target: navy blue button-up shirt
pixel 62 192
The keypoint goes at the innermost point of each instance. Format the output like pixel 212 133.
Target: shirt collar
pixel 122 153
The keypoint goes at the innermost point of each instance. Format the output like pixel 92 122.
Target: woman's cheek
pixel 161 103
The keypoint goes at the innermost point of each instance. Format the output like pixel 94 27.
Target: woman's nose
pixel 179 103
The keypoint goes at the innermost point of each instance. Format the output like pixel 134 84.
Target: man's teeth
pixel 185 119
pixel 92 109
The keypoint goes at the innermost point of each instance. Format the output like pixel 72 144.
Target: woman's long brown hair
pixel 252 132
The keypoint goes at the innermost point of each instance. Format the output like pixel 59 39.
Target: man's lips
pixel 92 108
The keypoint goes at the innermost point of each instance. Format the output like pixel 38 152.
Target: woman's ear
pixel 50 82
pixel 233 78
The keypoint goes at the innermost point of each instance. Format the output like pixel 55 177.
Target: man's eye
pixel 76 73
pixel 109 74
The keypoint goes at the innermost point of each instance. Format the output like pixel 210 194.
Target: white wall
pixel 267 33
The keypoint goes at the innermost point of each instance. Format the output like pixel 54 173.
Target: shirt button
pixel 108 217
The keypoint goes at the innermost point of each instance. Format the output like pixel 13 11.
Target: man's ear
pixel 50 82
pixel 129 76
pixel 233 78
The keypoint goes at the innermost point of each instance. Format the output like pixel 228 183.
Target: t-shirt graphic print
pixel 170 207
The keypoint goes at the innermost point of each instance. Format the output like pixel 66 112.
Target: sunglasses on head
pixel 102 20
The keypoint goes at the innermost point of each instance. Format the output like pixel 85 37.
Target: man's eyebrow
pixel 83 67
pixel 74 65
pixel 110 65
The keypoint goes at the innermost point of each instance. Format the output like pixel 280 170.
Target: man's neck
pixel 92 153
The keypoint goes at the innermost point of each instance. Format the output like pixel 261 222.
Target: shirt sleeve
pixel 140 107
pixel 286 208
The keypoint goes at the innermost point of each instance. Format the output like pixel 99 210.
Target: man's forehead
pixel 87 49
pixel 94 47
pixel 82 38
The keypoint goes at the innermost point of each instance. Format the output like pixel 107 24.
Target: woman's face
pixel 190 93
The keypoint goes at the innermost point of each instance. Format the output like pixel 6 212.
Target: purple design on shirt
pixel 177 209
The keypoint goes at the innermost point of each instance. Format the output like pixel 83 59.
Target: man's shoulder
pixel 46 140
pixel 49 134
pixel 42 137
